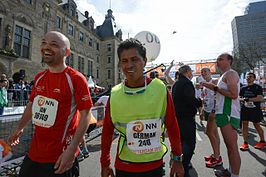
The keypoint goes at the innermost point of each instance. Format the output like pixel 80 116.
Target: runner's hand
pixel 211 116
pixel 177 169
pixel 65 161
pixel 208 85
pixel 107 172
pixel 13 139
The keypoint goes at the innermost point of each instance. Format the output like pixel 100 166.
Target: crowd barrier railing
pixel 9 122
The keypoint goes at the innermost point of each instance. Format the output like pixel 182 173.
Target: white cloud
pixel 203 26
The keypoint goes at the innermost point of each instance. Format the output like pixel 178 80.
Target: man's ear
pixel 68 52
pixel 145 61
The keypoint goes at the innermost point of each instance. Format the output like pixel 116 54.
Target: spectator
pixel 186 104
pixel 3 94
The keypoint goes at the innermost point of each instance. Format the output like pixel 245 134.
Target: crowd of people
pixel 141 110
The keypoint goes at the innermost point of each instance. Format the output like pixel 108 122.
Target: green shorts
pixel 206 115
pixel 223 119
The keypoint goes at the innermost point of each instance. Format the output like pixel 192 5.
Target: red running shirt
pixel 70 89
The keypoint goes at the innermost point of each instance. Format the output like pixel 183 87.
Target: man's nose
pixel 130 64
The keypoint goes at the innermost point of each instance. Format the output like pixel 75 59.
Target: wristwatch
pixel 215 88
pixel 213 111
pixel 176 158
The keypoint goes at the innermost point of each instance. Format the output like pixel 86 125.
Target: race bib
pixel 44 111
pixel 143 136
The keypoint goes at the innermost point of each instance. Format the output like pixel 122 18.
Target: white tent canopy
pixel 91 83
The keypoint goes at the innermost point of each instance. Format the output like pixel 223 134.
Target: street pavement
pixel 253 161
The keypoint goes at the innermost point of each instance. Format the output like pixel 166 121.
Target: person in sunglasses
pixel 140 109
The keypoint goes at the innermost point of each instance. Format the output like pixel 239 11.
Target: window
pixel 97 46
pixel 81 36
pixel 28 1
pixel 0 22
pixel 90 66
pixel 90 42
pixel 109 47
pixel 109 59
pixel 70 60
pixel 97 73
pixel 72 12
pixel 109 74
pixel 70 30
pixel 22 41
pixel 97 59
pixel 81 64
pixel 58 22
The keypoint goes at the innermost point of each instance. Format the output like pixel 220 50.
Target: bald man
pixel 58 93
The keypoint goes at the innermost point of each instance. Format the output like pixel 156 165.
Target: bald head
pixel 55 47
pixel 59 37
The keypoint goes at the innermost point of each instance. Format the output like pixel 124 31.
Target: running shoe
pixel 208 157
pixel 85 153
pixel 244 147
pixel 260 145
pixel 222 173
pixel 214 162
pixel 80 157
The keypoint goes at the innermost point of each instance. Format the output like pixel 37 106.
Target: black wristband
pixel 215 88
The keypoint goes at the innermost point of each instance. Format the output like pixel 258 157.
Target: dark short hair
pixel 176 74
pixel 251 73
pixel 183 69
pixel 132 43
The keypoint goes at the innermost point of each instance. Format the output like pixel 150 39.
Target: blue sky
pixel 203 27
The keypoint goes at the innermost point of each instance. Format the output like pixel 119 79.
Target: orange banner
pixel 212 67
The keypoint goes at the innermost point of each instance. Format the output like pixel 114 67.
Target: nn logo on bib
pixel 138 127
pixel 41 101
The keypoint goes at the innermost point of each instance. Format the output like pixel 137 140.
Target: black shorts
pixel 252 115
pixel 30 168
pixel 91 127
pixel 158 172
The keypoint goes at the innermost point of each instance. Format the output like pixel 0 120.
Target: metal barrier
pixel 18 97
pixel 9 122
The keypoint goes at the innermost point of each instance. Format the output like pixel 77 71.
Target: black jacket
pixel 183 94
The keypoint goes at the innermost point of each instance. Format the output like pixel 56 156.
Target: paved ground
pixel 253 161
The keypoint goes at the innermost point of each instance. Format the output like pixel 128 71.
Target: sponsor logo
pixel 138 127
pixel 41 101
pixel 40 88
pixel 85 97
pixel 56 90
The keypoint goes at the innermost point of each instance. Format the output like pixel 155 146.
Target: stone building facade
pixel 24 22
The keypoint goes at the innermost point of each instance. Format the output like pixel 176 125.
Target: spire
pixel 110 4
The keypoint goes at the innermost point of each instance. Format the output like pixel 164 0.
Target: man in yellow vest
pixel 139 109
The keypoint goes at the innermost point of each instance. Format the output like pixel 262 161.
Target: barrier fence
pixel 8 124
pixel 17 97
